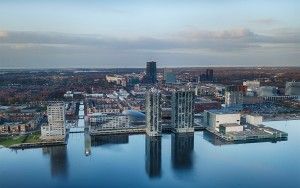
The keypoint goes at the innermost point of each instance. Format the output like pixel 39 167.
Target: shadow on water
pixel 109 139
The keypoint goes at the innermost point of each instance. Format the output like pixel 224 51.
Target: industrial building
pixel 55 130
pixel 153 112
pixel 292 88
pixel 212 119
pixel 254 120
pixel 183 110
pixel 267 91
pixel 230 127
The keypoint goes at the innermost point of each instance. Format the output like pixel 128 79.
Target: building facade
pixel 292 88
pixel 151 73
pixel 183 111
pixel 234 95
pixel 213 119
pixel 55 130
pixel 153 112
pixel 100 121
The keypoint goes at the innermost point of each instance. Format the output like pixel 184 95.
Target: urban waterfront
pixel 125 161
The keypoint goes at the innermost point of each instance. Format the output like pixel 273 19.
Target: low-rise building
pixel 214 118
pixel 230 127
pixel 254 120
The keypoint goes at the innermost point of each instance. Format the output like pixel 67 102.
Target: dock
pixel 38 145
pixel 251 133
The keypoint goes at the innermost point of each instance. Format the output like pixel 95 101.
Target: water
pixel 139 161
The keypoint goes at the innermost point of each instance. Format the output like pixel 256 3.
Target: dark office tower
pixel 153 156
pixel 151 73
pixel 209 74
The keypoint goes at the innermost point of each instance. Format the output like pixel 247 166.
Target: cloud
pixel 237 46
pixel 225 40
pixel 265 21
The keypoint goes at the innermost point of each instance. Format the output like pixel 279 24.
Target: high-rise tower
pixel 183 110
pixel 151 73
pixel 153 112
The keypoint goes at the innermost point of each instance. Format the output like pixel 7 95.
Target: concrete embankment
pixel 37 145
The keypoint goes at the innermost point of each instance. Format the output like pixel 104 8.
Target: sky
pixel 128 33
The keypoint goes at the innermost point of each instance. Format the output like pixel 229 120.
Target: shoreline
pixel 37 145
pixel 268 119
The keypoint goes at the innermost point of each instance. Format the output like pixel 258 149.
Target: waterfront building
pixel 254 119
pixel 214 118
pixel 183 110
pixel 102 121
pixel 230 127
pixel 55 130
pixel 150 77
pixel 153 112
pixel 292 88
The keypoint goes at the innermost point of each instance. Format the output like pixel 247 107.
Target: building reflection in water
pixel 213 139
pixel 58 160
pixel 87 144
pixel 153 156
pixel 182 150
pixel 216 141
pixel 109 139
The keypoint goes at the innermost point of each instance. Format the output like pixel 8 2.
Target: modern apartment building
pixel 183 110
pixel 153 112
pixel 55 130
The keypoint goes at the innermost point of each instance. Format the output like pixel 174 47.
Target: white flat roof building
pixel 213 119
pixel 254 120
pixel 230 127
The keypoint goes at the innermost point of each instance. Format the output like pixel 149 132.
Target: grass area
pixel 11 140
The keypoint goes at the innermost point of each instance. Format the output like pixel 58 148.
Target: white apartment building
pixel 153 113
pixel 55 130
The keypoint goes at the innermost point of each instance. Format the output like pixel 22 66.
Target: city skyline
pixel 123 34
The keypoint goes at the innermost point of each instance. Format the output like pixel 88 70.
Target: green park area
pixel 12 140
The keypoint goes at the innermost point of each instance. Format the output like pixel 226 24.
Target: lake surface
pixel 172 161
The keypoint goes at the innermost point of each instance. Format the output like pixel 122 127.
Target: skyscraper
pixel 209 74
pixel 56 122
pixel 183 110
pixel 234 95
pixel 150 77
pixel 153 112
